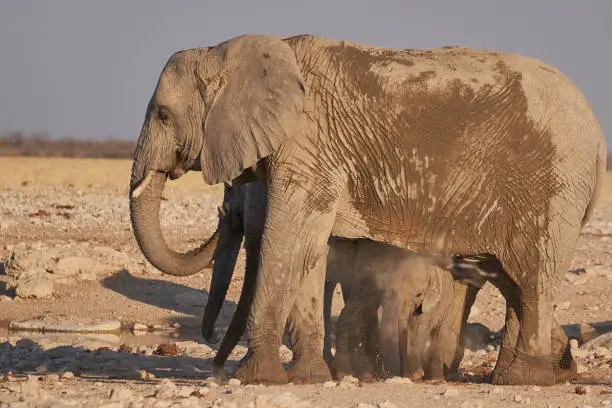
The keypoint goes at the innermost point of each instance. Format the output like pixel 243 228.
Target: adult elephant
pixel 455 150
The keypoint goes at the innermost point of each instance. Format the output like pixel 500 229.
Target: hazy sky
pixel 87 69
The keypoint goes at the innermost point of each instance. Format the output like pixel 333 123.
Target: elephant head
pixel 218 110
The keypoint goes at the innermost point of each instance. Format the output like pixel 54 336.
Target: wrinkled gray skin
pixel 451 150
pixel 380 268
pixel 424 311
pixel 245 217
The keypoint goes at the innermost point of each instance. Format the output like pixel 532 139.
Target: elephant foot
pixel 309 371
pixel 566 369
pixel 528 370
pixel 261 370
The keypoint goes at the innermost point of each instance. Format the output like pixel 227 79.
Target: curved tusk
pixel 137 192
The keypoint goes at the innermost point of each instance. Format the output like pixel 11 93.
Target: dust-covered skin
pixel 452 150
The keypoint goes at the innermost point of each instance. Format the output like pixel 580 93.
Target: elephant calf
pixel 424 311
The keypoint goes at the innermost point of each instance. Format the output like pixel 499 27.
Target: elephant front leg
pixel 293 251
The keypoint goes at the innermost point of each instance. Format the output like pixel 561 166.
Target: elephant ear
pixel 430 300
pixel 258 103
pixel 433 293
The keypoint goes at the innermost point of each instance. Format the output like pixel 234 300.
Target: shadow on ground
pixel 27 357
pixel 167 295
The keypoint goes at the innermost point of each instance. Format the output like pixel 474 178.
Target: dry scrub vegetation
pixel 19 144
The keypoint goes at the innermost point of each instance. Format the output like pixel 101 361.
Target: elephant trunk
pixel 145 199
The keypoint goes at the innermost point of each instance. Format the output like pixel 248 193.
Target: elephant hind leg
pixel 535 357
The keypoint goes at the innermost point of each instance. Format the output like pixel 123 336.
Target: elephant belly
pixel 350 224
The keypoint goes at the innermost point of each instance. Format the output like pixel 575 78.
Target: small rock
pixel 563 305
pixel 140 327
pixel 451 392
pixel 124 348
pixel 347 385
pixel 36 287
pixel 4 298
pixel 349 379
pixel 398 380
pixel 8 377
pixel 606 403
pixel 496 390
pixel 490 348
pixel 67 375
pixel 521 400
pixel 536 388
pixel 176 325
pixel 52 378
pixel 60 324
pixel 574 343
pixel 387 404
pixel 120 394
pixel 211 382
pixel 234 382
pixel 166 350
pixel 329 384
pixel 145 375
pixel 348 382
pixel 202 391
pixel 166 389
pixel 185 392
pixel 582 390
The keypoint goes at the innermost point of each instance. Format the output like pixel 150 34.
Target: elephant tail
pixel 600 168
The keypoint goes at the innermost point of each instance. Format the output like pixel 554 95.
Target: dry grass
pixel 85 173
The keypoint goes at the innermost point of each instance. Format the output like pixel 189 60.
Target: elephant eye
pixel 163 114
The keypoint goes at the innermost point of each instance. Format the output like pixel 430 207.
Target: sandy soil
pixel 68 253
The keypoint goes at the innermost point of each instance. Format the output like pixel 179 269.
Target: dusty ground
pixel 68 257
